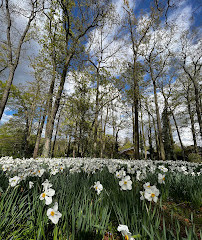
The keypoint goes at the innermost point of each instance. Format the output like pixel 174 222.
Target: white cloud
pixel 186 136
pixel 181 18
pixel 119 6
pixel 69 86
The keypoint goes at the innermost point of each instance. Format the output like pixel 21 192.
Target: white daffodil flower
pixel 147 185
pixel 123 228
pixel 151 194
pixel 14 181
pixel 98 187
pixel 126 183
pixel 130 169
pixel 163 168
pixel 121 173
pixel 53 214
pixel 5 167
pixel 161 178
pixel 125 232
pixel 31 184
pixel 40 172
pixel 46 184
pixel 54 171
pixel 140 175
pixel 47 195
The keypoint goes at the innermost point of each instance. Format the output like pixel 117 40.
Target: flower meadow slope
pixel 83 198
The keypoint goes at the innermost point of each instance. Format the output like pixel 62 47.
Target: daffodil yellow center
pixel 153 195
pixel 126 237
pixel 96 188
pixel 163 178
pixel 52 213
pixel 125 182
pixel 43 195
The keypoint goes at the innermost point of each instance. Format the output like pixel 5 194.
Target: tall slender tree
pixel 14 49
pixel 78 18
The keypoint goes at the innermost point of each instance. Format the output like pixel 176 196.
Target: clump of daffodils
pixel 162 168
pixel 98 187
pixel 126 183
pixel 125 232
pixel 150 193
pixel 14 181
pixel 47 193
pixel 140 175
pixel 53 214
pixel 121 173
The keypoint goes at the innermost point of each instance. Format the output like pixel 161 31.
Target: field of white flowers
pixel 82 198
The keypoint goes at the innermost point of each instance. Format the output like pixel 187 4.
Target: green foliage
pixel 127 144
pixel 14 214
pixel 12 140
pixel 194 157
pixel 178 152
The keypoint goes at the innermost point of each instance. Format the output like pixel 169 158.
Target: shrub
pixel 194 157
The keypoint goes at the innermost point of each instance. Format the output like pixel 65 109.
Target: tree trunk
pixel 162 151
pixel 151 150
pixel 13 63
pixel 136 106
pixel 143 137
pixel 68 146
pixel 178 133
pixel 133 123
pixel 171 141
pixel 192 122
pixel 114 129
pixel 26 135
pixel 39 132
pixel 96 114
pixel 197 94
pixel 75 140
pixel 33 108
pixel 156 138
pixel 150 139
pixel 56 133
pixel 176 126
pixel 101 137
pixel 104 131
pixel 50 121
pixel 7 90
pixel 198 105
pixel 116 142
pixel 137 141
